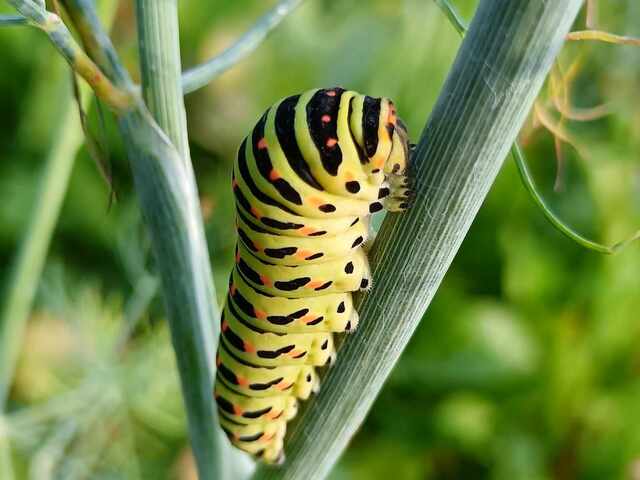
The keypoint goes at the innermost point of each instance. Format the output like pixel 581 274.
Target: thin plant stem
pixel 198 77
pixel 158 41
pixel 29 263
pixel 169 202
pixel 59 34
pixel 455 19
pixel 168 197
pixel 12 20
pixel 159 44
pixel 529 183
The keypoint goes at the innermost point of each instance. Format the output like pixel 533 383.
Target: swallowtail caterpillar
pixel 305 181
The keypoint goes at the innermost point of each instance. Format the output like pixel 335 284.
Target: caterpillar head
pixel 398 161
pixel 398 164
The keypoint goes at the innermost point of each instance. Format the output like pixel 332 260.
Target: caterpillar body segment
pixel 305 181
pixel 351 175
pixel 293 251
pixel 282 221
pixel 308 280
pixel 305 201
pixel 265 348
pixel 266 382
pixel 328 313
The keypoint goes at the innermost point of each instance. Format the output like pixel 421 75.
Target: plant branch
pixel 12 20
pixel 452 14
pixel 158 41
pixel 97 43
pixel 198 77
pixel 529 183
pixel 59 34
pixel 168 197
pixel 497 74
pixel 601 36
pixel 169 202
pixel 29 262
pixel 158 38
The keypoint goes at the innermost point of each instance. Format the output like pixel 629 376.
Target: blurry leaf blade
pixel 30 261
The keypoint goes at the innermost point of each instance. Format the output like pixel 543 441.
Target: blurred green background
pixel 527 364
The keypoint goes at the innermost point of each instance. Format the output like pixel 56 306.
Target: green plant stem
pixel 169 202
pixel 12 20
pixel 77 59
pixel 192 335
pixel 497 74
pixel 198 77
pixel 562 227
pixel 158 40
pixel 453 16
pixel 606 37
pixel 170 205
pixel 98 44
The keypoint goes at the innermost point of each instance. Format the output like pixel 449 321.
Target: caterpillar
pixel 305 182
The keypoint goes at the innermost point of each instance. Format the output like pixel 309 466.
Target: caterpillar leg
pixel 255 381
pixel 272 350
pixel 333 276
pixel 400 193
pixel 395 195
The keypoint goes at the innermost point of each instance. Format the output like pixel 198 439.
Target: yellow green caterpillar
pixel 305 182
